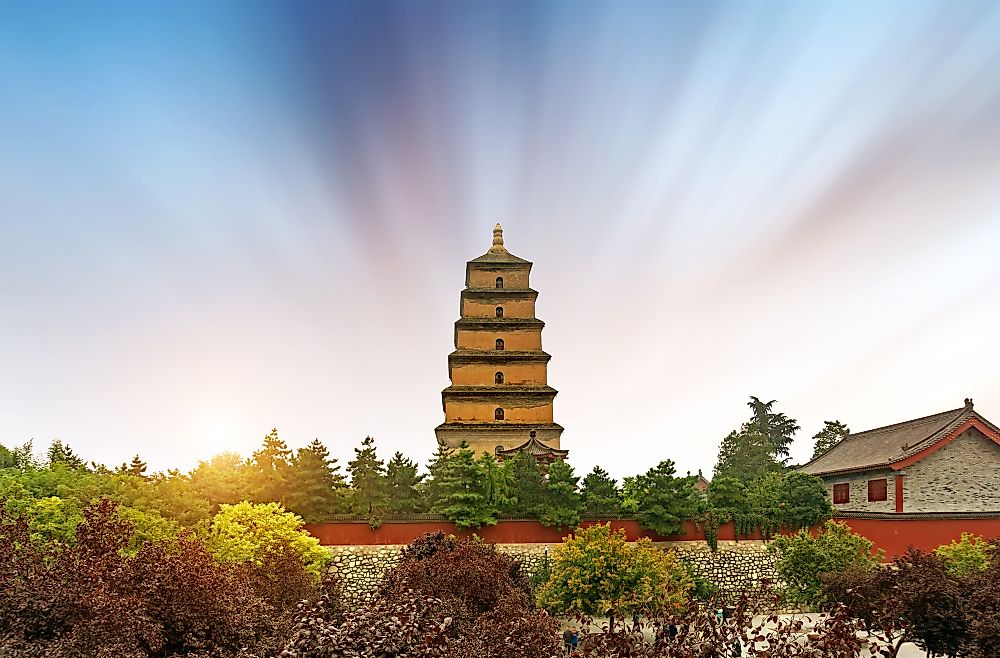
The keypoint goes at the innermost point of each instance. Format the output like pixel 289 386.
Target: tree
pixel 803 559
pixel 527 483
pixel 255 533
pixel 498 481
pixel 596 571
pixel 136 467
pixel 728 494
pixel 430 487
pixel 403 484
pixel 804 501
pixel 7 458
pixel 833 432
pixel 463 499
pixel 368 494
pixel 665 501
pixel 600 494
pixel 561 505
pixel 746 455
pixel 61 453
pixel 222 479
pixel 777 428
pixel 317 487
pixel 269 471
pixel 630 494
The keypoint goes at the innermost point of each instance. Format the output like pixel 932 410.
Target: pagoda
pixel 499 401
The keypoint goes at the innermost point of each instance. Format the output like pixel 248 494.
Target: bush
pixel 969 554
pixel 168 599
pixel 596 571
pixel 803 559
pixel 251 533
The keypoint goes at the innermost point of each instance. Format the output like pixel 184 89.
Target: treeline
pixel 752 486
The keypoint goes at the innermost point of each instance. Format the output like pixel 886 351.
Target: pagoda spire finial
pixel 498 240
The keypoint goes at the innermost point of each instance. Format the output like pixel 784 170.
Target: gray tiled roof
pixel 882 446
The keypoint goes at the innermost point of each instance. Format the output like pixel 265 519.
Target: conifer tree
pixel 431 486
pixel 270 471
pixel 527 484
pixel 402 484
pixel 561 505
pixel 136 467
pixel 318 487
pixel 368 494
pixel 833 432
pixel 600 494
pixel 61 453
pixel 666 501
pixel 463 498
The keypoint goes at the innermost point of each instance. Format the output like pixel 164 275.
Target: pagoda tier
pixel 499 395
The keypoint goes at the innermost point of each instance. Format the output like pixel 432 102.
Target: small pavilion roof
pixel 535 448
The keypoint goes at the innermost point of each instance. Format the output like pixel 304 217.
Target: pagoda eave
pixel 497 356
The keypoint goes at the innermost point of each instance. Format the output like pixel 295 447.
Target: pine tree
pixel 666 501
pixel 270 471
pixel 833 432
pixel 600 494
pixel 527 485
pixel 561 505
pixel 463 498
pixel 402 484
pixel 430 488
pixel 61 453
pixel 136 467
pixel 778 428
pixel 368 494
pixel 746 455
pixel 319 488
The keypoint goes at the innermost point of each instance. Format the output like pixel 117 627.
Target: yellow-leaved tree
pixel 246 532
pixel 597 571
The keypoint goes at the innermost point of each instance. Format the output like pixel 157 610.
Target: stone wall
pixel 963 476
pixel 735 567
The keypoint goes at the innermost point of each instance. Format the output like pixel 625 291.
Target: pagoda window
pixel 500 344
pixel 498 414
pixel 499 311
pixel 499 282
pixel 499 378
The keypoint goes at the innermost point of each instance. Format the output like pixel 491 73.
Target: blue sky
pixel 216 218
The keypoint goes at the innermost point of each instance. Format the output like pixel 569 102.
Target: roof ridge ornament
pixel 968 401
pixel 498 247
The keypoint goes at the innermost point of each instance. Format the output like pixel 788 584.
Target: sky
pixel 219 218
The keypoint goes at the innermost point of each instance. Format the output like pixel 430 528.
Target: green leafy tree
pixel 256 533
pixel 269 471
pixel 776 427
pixel 403 484
pixel 803 560
pixel 630 494
pixel 527 483
pixel 561 505
pixel 766 502
pixel 746 455
pixel 61 453
pixel 368 493
pixel 463 499
pixel 804 501
pixel 729 495
pixel 969 555
pixel 666 501
pixel 597 571
pixel 318 489
pixel 600 494
pixel 498 481
pixel 222 479
pixel 7 458
pixel 24 456
pixel 833 432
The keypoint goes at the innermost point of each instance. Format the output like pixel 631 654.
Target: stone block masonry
pixel 736 566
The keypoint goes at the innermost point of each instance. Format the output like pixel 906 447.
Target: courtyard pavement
pixel 908 650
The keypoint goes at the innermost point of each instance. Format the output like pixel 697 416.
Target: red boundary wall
pixel 504 532
pixel 893 535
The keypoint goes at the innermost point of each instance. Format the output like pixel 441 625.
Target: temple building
pixel 499 400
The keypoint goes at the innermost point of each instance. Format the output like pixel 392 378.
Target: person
pixel 635 622
pixel 672 631
pixel 568 640
pixel 574 640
